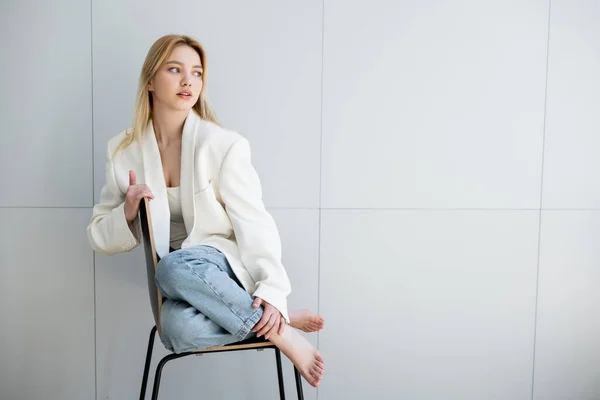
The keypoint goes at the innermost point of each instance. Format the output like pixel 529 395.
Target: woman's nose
pixel 186 80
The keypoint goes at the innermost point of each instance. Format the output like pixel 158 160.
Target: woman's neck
pixel 168 125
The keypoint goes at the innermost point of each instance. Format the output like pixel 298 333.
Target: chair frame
pixel 152 259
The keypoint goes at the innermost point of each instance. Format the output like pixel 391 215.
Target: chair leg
pixel 159 369
pixel 298 384
pixel 148 360
pixel 280 374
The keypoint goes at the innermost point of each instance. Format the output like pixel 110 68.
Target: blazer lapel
pixel 187 182
pixel 155 179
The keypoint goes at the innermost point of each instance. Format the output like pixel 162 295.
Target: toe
pixel 313 382
pixel 318 372
pixel 315 378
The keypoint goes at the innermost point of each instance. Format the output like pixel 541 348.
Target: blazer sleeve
pixel 255 230
pixel 108 232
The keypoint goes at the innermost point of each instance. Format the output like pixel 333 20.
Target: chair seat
pixel 254 343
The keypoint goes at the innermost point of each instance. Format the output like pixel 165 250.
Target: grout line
pixel 320 175
pixel 41 207
pixel 92 98
pixel 95 331
pixel 93 199
pixel 425 209
pixel 458 209
pixel 293 208
pixel 570 209
pixel 537 279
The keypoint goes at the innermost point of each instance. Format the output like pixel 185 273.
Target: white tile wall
pixel 428 304
pixel 46 104
pixel 571 163
pixel 123 323
pixel 433 104
pixel 566 344
pixel 46 305
pixel 567 350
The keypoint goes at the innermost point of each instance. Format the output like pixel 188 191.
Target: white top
pixel 178 232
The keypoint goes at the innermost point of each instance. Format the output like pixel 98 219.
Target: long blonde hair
pixel 156 56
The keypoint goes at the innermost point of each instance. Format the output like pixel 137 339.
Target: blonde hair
pixel 156 56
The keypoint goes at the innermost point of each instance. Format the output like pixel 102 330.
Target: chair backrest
pixel 152 259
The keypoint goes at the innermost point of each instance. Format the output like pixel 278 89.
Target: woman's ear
pixel 150 87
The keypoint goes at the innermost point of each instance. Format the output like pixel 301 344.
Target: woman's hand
pixel 272 322
pixel 133 197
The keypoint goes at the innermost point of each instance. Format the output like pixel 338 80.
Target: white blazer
pixel 221 202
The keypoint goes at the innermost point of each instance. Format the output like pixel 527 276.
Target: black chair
pixel 152 260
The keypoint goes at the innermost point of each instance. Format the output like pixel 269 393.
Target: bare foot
pixel 306 321
pixel 303 355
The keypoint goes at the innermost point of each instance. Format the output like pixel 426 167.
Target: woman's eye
pixel 198 73
pixel 174 69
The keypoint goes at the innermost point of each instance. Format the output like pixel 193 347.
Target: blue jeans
pixel 204 304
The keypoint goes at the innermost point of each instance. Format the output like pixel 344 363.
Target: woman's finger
pixel 131 178
pixel 146 189
pixel 268 326
pixel 257 302
pixel 133 193
pixel 273 328
pixel 262 322
pixel 276 327
pixel 267 329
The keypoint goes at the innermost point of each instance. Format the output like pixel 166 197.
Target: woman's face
pixel 178 82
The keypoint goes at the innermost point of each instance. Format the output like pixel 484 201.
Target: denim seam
pixel 248 325
pixel 205 248
pixel 160 289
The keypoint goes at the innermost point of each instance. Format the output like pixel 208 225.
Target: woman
pixel 220 271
